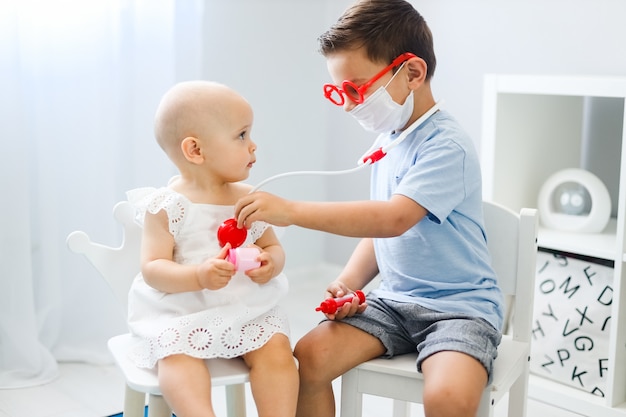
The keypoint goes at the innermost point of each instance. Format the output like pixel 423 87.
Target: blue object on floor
pixel 145 413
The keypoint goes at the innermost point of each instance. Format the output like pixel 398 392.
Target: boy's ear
pixel 417 71
pixel 191 149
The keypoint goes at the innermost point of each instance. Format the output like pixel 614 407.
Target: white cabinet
pixel 534 126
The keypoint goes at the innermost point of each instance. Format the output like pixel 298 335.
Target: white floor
pixel 97 391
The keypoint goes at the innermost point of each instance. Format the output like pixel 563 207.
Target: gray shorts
pixel 406 327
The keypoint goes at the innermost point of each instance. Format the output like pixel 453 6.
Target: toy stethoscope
pixel 228 232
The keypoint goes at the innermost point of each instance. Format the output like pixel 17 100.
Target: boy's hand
pixel 215 273
pixel 266 271
pixel 262 206
pixel 338 289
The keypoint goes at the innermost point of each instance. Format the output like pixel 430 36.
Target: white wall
pixel 476 37
pixel 268 51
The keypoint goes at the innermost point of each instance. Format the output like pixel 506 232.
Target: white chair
pixel 119 266
pixel 512 241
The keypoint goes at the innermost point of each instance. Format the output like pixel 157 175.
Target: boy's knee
pixel 303 351
pixel 446 401
pixel 311 356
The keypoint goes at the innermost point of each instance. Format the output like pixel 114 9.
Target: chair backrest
pixel 118 265
pixel 512 242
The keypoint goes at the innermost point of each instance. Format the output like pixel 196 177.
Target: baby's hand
pixel 215 273
pixel 266 271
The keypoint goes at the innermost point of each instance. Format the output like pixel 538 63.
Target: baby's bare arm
pixel 162 273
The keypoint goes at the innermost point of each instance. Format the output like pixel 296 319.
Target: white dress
pixel 226 323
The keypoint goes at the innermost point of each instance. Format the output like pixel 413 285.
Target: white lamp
pixel 574 200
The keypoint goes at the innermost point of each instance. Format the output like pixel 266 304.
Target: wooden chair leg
pixel 134 403
pixel 157 407
pixel 236 400
pixel 486 408
pixel 351 398
pixel 518 395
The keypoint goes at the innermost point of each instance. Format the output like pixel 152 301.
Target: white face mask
pixel 380 114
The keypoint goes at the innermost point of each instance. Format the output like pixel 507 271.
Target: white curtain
pixel 79 83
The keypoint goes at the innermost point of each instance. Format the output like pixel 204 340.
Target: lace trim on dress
pixel 257 229
pixel 153 200
pixel 209 336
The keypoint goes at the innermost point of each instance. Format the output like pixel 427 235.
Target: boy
pixel 422 229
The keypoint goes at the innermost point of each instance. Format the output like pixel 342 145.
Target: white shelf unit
pixel 534 126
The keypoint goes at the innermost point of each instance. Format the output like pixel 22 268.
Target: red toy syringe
pixel 331 305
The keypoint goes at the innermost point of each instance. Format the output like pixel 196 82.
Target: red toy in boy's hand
pixel 228 232
pixel 331 305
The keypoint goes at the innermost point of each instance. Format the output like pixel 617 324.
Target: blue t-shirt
pixel 441 263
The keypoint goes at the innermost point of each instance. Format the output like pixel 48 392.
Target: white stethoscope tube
pixel 368 158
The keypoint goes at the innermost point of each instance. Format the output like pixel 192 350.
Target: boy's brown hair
pixel 386 28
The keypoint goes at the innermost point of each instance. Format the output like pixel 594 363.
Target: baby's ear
pixel 191 149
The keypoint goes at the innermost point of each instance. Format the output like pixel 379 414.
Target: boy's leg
pixel 456 358
pixel 274 377
pixel 326 352
pixel 186 385
pixel 453 384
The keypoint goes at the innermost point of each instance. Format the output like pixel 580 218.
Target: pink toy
pixel 331 305
pixel 228 232
pixel 244 258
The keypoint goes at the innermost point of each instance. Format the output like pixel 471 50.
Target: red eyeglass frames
pixel 356 93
